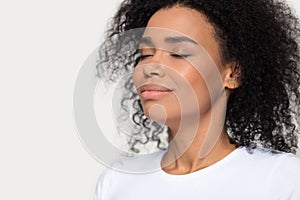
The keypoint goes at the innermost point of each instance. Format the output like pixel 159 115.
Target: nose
pixel 155 66
pixel 153 69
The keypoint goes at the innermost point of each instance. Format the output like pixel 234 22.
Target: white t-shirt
pixel 240 175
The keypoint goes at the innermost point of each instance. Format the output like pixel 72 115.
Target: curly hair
pixel 260 35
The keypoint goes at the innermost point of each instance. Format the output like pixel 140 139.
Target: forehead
pixel 165 39
pixel 185 21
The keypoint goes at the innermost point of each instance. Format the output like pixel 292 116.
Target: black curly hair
pixel 260 35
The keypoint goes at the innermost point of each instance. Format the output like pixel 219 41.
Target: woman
pixel 224 77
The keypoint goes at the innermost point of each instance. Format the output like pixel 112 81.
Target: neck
pixel 187 143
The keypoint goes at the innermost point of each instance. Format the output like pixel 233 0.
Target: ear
pixel 232 75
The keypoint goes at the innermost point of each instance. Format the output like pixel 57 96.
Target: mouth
pixel 153 91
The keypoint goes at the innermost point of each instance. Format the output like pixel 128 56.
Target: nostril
pixel 154 73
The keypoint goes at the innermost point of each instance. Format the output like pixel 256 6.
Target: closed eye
pixel 142 57
pixel 180 56
pixel 174 55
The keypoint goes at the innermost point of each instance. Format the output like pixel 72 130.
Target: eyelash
pixel 177 56
pixel 142 57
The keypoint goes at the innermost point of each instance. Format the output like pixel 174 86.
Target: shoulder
pixel 135 164
pixel 275 160
pixel 138 164
pixel 278 170
pixel 264 155
pixel 287 168
pixel 285 177
pixel 119 174
pixel 267 164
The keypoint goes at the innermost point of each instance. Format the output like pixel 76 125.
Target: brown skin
pixel 186 148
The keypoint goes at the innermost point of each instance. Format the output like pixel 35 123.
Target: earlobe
pixel 232 76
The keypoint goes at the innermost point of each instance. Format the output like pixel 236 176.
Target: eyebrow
pixel 179 39
pixel 170 40
pixel 146 41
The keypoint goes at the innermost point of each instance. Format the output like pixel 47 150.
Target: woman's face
pixel 179 62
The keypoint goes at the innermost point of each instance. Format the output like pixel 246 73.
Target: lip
pixel 153 91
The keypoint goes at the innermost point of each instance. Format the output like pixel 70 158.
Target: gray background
pixel 42 47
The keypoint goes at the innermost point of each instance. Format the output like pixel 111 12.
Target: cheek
pixel 189 99
pixel 136 77
pixel 195 92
